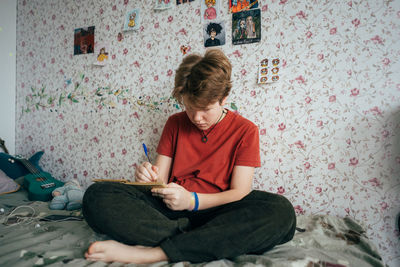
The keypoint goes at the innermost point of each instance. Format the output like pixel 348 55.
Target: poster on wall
pixel 246 27
pixel 84 40
pixel 210 10
pixel 214 34
pixel 162 4
pixel 242 5
pixel 178 2
pixel 268 70
pixel 101 52
pixel 132 20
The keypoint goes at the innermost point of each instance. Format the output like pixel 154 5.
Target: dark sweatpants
pixel 252 225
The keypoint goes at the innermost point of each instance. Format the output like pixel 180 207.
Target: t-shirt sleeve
pixel 166 145
pixel 248 153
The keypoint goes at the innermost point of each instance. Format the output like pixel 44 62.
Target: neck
pixel 204 139
pixel 221 117
pixel 223 112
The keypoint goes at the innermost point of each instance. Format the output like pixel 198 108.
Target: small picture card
pixel 268 70
pixel 162 4
pixel 132 20
pixel 84 40
pixel 214 34
pixel 242 5
pixel 178 2
pixel 102 54
pixel 246 27
pixel 210 10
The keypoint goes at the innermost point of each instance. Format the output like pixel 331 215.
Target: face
pixel 213 34
pixel 204 118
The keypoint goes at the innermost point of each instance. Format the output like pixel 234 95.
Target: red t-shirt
pixel 207 167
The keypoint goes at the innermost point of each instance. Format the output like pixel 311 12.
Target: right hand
pixel 175 196
pixel 146 173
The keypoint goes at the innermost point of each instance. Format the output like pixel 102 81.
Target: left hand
pixel 176 197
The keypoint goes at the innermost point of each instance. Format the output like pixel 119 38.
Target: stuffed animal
pixel 67 197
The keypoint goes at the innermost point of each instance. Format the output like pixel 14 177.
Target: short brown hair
pixel 203 79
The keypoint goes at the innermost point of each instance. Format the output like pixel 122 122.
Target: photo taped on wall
pixel 132 20
pixel 178 2
pixel 246 27
pixel 84 40
pixel 242 5
pixel 214 34
pixel 162 4
pixel 210 10
pixel 102 52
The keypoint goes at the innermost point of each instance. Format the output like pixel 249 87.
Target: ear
pixel 223 101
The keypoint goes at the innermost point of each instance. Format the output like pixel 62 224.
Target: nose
pixel 197 116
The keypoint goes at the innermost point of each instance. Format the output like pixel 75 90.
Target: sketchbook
pixel 144 186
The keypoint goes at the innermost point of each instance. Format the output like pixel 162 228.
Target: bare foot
pixel 113 251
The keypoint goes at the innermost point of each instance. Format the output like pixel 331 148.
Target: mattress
pixel 33 235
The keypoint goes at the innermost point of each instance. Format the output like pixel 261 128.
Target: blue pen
pixel 145 151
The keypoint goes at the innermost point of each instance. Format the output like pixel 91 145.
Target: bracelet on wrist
pixel 196 201
pixel 192 201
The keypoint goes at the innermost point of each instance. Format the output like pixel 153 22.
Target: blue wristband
pixel 196 202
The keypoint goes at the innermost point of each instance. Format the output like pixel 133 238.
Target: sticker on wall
pixel 185 49
pixel 178 2
pixel 101 53
pixel 120 37
pixel 162 4
pixel 268 70
pixel 246 27
pixel 84 40
pixel 214 34
pixel 242 5
pixel 210 10
pixel 132 20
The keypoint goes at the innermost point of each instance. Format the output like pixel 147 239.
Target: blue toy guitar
pixel 38 183
pixel 15 169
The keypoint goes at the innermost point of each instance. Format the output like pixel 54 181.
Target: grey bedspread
pixel 27 240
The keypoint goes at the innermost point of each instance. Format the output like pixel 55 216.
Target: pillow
pixel 7 185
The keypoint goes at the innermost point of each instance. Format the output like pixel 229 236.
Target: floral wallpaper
pixel 329 128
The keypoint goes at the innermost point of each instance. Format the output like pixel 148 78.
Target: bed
pixel 33 235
